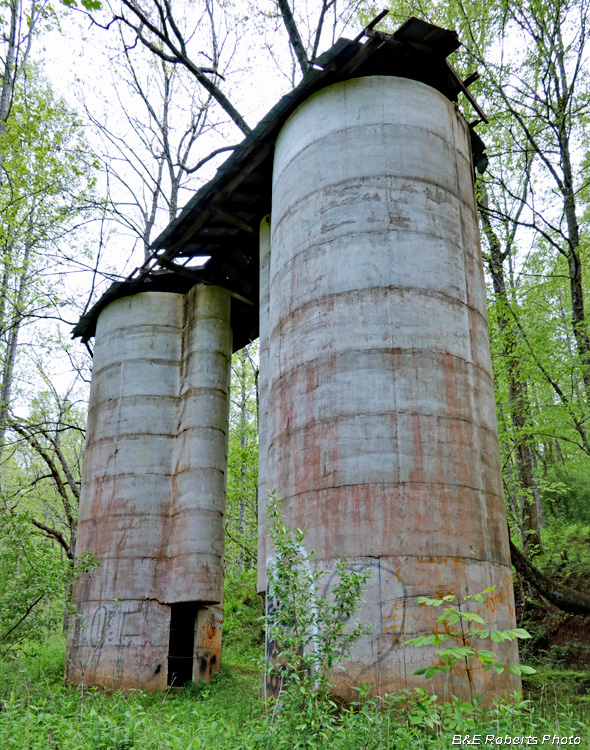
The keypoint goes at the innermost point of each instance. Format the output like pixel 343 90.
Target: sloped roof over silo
pixel 222 219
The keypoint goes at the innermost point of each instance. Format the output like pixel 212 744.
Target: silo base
pixel 143 642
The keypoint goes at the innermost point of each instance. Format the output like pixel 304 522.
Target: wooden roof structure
pixel 222 219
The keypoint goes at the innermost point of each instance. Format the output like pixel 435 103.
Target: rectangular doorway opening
pixel 181 647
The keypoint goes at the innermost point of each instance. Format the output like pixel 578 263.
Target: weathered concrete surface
pixel 263 399
pixel 197 535
pixel 381 434
pixel 153 492
pixel 208 643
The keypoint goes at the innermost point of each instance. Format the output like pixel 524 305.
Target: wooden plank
pixel 467 93
pixel 203 276
pixel 197 223
pixel 371 25
pixel 233 219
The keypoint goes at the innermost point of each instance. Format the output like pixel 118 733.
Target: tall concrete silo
pixel 381 435
pixel 152 506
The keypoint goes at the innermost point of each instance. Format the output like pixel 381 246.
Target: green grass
pixel 40 713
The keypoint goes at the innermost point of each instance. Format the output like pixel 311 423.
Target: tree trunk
pixel 565 598
pixel 517 393
pixel 8 78
pixel 570 210
pixel 10 356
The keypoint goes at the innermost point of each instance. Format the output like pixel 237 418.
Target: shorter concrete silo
pixel 152 507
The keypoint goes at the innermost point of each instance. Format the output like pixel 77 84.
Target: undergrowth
pixel 40 713
pixel 37 712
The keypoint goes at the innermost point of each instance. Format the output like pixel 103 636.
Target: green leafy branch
pixel 461 650
pixel 313 632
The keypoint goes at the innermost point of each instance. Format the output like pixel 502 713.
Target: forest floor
pixel 38 712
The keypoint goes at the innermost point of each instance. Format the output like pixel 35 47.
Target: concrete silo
pixel 153 493
pixel 381 435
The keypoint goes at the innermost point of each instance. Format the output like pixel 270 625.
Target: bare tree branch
pixel 294 36
pixel 168 34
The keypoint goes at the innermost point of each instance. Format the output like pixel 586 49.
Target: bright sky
pixel 76 59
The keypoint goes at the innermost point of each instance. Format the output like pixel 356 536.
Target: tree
pixel 21 21
pixel 16 41
pixel 526 504
pixel 40 445
pixel 38 513
pixel 549 100
pixel 543 91
pixel 148 154
pixel 160 31
pixel 242 484
pixel 173 36
pixel 31 575
pixel 49 179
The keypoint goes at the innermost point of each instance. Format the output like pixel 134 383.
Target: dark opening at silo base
pixel 181 648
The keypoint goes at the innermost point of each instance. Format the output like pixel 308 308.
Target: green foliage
pixel 38 511
pixel 312 629
pixel 242 468
pixel 38 713
pixel 35 577
pixel 567 552
pixel 243 632
pixel 86 4
pixel 32 579
pixel 566 493
pixel 49 178
pixel 458 648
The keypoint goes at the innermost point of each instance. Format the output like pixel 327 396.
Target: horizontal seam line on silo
pixel 369 181
pixel 104 478
pixel 197 318
pixel 349 129
pixel 205 352
pixel 133 436
pixel 338 240
pixel 105 335
pixel 392 350
pixel 154 515
pixel 389 412
pixel 185 511
pixel 131 361
pixel 410 556
pixel 195 428
pixel 134 396
pixel 407 230
pixel 201 469
pixel 396 483
pixel 393 412
pixel 415 291
pixel 476 560
pixel 158 556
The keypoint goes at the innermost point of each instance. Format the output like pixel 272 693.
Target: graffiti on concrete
pixel 209 631
pixel 107 625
